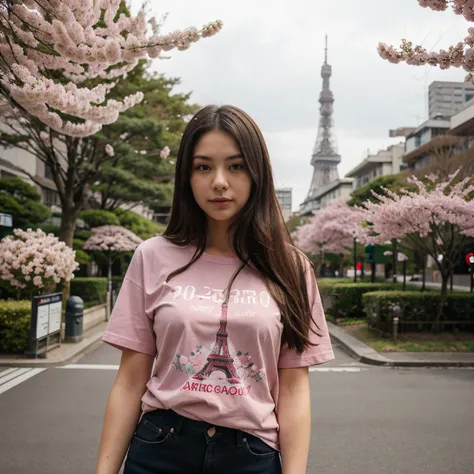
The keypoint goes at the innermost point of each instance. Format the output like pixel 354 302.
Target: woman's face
pixel 219 172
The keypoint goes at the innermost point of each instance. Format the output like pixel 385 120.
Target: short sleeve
pixel 129 326
pixel 313 355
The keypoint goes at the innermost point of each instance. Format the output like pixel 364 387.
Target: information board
pixel 45 327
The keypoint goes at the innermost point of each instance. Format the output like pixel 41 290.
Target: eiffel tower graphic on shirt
pixel 219 359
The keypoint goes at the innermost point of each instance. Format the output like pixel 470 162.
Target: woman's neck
pixel 218 241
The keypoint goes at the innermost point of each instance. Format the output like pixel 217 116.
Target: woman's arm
pixel 294 418
pixel 123 410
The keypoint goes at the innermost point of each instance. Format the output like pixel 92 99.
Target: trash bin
pixel 74 319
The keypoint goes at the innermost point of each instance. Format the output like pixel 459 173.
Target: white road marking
pixel 4 373
pixel 89 366
pixel 15 377
pixel 337 369
pixel 12 377
pixel 115 367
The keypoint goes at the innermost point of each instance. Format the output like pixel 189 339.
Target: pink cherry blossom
pixel 62 36
pixel 459 55
pixel 332 229
pixel 31 260
pixel 112 238
pixel 423 213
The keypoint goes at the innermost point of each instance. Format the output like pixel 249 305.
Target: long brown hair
pixel 260 237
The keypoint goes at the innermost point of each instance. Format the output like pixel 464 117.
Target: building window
pixel 6 174
pixel 469 97
pixel 50 197
pixel 47 172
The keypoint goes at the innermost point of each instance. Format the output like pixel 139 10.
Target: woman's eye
pixel 199 167
pixel 238 169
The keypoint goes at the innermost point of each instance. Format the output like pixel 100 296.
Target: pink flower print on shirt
pixel 192 363
pixel 247 368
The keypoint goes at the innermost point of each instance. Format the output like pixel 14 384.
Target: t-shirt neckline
pixel 215 258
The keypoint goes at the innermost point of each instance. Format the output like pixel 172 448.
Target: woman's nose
pixel 220 180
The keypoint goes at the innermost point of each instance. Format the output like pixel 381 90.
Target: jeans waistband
pixel 179 422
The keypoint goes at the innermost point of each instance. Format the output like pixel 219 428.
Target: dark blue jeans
pixel 167 443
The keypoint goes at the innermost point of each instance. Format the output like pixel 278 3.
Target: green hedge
pixel 14 325
pixel 417 309
pixel 91 290
pixel 94 290
pixel 346 299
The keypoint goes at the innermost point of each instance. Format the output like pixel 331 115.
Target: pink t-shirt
pixel 222 372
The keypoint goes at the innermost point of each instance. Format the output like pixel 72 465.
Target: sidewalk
pixel 363 353
pixel 433 285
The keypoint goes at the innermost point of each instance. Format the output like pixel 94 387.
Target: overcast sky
pixel 267 60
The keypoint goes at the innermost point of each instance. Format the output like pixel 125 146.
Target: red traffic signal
pixel 358 266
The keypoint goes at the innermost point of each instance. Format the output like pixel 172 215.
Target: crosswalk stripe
pixel 90 366
pixel 16 377
pixel 14 374
pixel 4 373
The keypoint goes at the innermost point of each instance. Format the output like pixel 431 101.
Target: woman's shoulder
pixel 158 247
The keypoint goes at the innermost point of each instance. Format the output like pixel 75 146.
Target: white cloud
pixel 267 60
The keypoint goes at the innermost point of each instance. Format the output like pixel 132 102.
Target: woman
pixel 218 321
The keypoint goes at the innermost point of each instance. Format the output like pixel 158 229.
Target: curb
pixel 365 354
pixel 67 353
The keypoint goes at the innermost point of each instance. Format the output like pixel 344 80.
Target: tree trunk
pixel 444 294
pixel 66 234
pixel 341 266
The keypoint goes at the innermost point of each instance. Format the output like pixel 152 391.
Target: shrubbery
pixel 14 325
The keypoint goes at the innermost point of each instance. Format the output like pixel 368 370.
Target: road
pixel 365 419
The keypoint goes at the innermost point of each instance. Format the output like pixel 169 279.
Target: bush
pixel 139 225
pixel 99 217
pixel 417 310
pixel 15 319
pixel 82 234
pixel 91 290
pixel 346 299
pixel 7 291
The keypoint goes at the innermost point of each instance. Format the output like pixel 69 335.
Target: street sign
pixel 469 256
pixel 6 220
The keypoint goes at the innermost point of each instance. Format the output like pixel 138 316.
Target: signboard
pixel 6 220
pixel 48 318
pixel 45 328
pixel 468 258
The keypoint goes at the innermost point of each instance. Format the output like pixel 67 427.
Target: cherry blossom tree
pixel 438 220
pixel 34 262
pixel 111 241
pixel 333 230
pixel 43 43
pixel 459 55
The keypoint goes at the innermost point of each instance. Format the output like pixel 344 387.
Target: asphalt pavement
pixel 366 419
